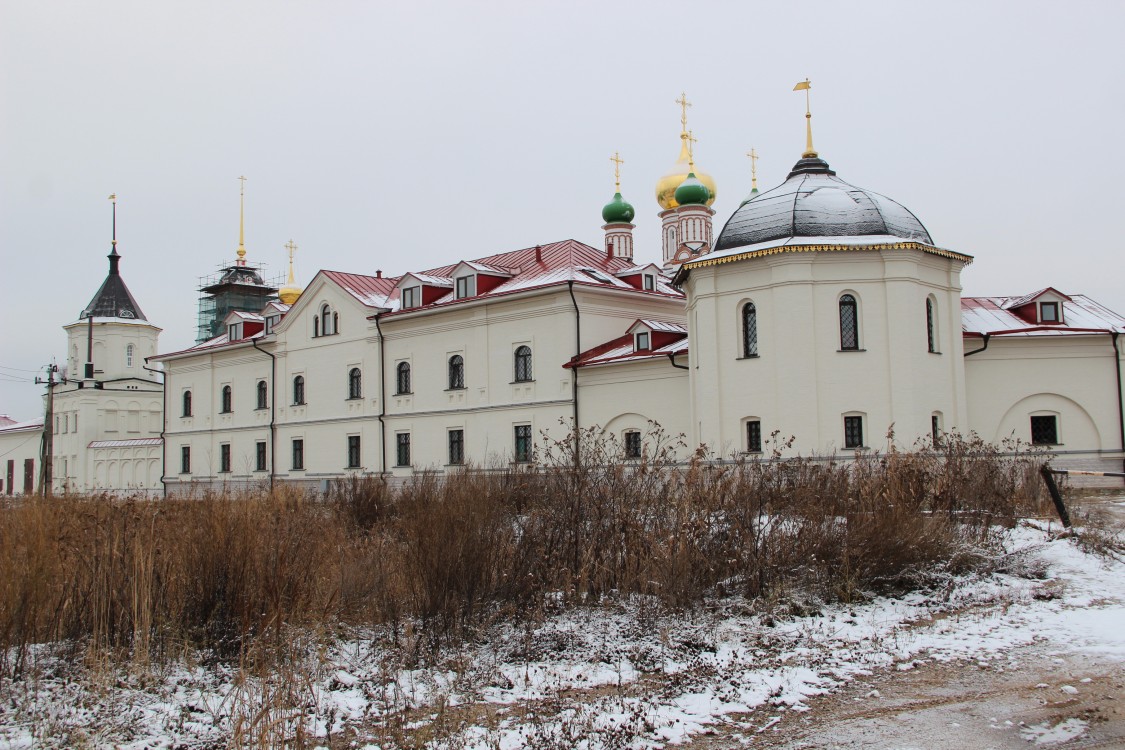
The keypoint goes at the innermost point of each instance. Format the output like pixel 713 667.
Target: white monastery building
pixel 820 310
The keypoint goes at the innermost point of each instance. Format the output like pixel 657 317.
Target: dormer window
pixel 466 287
pixel 411 297
pixel 1049 312
pixel 232 332
pixel 649 282
pixel 641 341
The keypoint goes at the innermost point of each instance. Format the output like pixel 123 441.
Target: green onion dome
pixel 692 192
pixel 618 211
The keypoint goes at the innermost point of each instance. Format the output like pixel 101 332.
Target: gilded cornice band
pixel 763 252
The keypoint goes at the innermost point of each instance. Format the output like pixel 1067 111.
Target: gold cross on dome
pixel 684 104
pixel 291 246
pixel 617 162
pixel 753 168
pixel 691 141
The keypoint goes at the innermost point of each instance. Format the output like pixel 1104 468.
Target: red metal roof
pixel 371 291
pixel 1081 315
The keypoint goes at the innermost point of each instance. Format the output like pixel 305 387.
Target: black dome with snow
pixel 814 202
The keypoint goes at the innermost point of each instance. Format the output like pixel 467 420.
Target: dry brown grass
pixel 229 574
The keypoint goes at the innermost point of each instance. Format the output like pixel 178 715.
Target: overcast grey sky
pixel 405 135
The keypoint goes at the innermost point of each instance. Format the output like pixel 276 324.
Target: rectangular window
pixel 402 449
pixel 224 458
pixel 353 451
pixel 185 459
pixel 456 447
pixel 523 443
pixel 642 341
pixel 410 296
pixel 466 287
pixel 754 436
pixel 260 456
pixel 632 444
pixel 650 282
pixel 853 432
pixel 1045 430
pixel 298 454
pixel 935 428
pixel 1049 312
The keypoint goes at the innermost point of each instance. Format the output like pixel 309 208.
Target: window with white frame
pixel 129 351
pixel 411 296
pixel 641 341
pixel 649 282
pixel 466 286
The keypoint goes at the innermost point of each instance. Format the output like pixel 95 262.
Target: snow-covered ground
pixel 616 675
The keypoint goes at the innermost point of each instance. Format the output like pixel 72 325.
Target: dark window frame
pixel 298 390
pixel 260 455
pixel 298 454
pixel 402 449
pixel 524 450
pixel 632 440
pixel 523 364
pixel 1045 429
pixel 849 323
pixel 753 436
pixel 224 458
pixel 410 297
pixel 263 395
pixel 456 442
pixel 185 459
pixel 456 373
pixel 355 383
pixel 466 286
pixel 354 452
pixel 402 379
pixel 853 431
pixel 1054 308
pixel 186 404
pixel 749 330
pixel 931 333
pixel 642 341
pixel 227 400
pixel 648 282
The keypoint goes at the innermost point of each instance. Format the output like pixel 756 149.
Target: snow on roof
pixel 661 325
pixel 442 281
pixel 275 306
pixel 31 424
pixel 637 269
pixel 133 443
pixel 484 268
pixel 1025 299
pixel 242 315
pixel 371 291
pixel 1081 315
pixel 622 349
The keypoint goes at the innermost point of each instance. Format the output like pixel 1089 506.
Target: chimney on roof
pixel 379 274
pixel 538 253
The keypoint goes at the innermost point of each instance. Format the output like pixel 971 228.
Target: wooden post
pixel 1056 496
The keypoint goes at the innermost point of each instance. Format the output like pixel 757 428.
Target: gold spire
pixel 617 162
pixel 684 104
pixel 241 222
pixel 289 293
pixel 753 168
pixel 113 197
pixel 810 152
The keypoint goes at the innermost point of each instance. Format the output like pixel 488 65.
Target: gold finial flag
pixel 617 162
pixel 684 104
pixel 113 198
pixel 810 152
pixel 292 248
pixel 241 219
pixel 753 168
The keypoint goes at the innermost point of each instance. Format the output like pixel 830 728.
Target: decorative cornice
pixel 823 248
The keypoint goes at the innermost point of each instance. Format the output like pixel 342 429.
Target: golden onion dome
pixel 666 186
pixel 289 293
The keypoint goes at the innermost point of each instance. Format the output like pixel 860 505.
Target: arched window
pixel 355 383
pixel 523 364
pixel 335 322
pixel 299 390
pixel 749 330
pixel 316 327
pixel 187 404
pixel 402 377
pixel 325 320
pixel 849 323
pixel 931 330
pixel 228 405
pixel 456 372
pixel 263 395
pixel 129 355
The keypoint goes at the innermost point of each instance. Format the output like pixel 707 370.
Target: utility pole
pixel 47 449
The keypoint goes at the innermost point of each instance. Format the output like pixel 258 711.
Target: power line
pixel 20 369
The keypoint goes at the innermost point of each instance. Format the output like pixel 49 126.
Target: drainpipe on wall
pixel 1120 398
pixel 985 337
pixel 382 402
pixel 273 405
pixel 577 351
